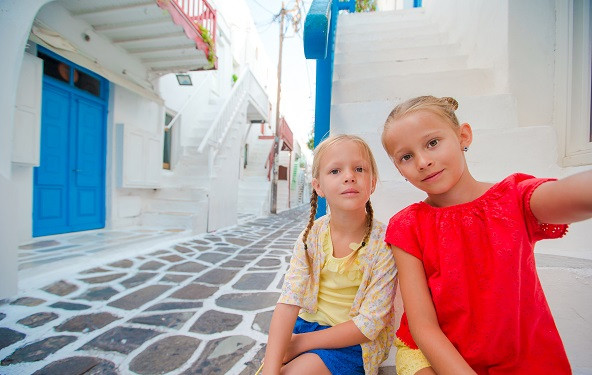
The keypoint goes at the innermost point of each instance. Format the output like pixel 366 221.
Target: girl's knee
pixel 308 363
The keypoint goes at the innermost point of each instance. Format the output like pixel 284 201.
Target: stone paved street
pixel 201 306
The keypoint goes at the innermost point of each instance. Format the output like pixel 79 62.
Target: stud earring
pixel 465 149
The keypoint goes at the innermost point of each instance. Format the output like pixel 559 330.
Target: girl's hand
pixel 294 348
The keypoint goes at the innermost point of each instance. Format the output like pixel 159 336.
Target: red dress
pixel 480 268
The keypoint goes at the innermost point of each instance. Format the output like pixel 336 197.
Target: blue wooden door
pixel 69 184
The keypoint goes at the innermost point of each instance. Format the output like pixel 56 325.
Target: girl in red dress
pixel 473 300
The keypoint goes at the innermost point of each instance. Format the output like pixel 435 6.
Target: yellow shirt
pixel 339 282
pixel 372 309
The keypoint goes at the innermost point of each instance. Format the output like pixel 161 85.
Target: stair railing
pixel 319 44
pixel 245 87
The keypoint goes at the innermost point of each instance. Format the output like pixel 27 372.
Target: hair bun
pixel 452 102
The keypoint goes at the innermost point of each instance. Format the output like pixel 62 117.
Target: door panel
pixel 50 178
pixel 69 184
pixel 87 187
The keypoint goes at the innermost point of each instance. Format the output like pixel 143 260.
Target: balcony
pixel 167 36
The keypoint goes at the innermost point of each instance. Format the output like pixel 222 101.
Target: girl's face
pixel 428 151
pixel 345 178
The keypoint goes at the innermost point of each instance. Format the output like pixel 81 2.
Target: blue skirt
pixel 344 361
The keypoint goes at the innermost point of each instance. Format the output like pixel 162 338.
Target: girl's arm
pixel 375 312
pixel 423 322
pixel 280 331
pixel 564 201
pixel 338 336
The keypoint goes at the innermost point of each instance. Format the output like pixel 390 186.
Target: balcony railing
pixel 198 19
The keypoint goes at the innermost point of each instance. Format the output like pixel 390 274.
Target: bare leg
pixel 426 371
pixel 307 363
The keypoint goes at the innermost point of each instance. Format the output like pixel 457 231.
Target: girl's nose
pixel 423 162
pixel 349 177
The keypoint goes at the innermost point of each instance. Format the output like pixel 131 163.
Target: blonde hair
pixel 443 107
pixel 319 151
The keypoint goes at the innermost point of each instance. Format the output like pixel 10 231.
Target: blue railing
pixel 319 44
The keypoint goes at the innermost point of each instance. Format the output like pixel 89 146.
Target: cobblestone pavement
pixel 201 306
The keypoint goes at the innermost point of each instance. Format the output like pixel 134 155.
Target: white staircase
pixel 254 188
pixel 383 58
pixel 200 191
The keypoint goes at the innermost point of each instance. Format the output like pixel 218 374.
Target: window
pixel 574 96
pixel 283 173
pixel 66 72
pixel 166 155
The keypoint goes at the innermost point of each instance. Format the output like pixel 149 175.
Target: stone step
pixel 385 31
pixel 356 19
pixel 351 56
pixel 176 205
pixel 466 82
pixel 180 193
pixel 409 66
pixel 197 223
pixel 396 42
pixel 482 112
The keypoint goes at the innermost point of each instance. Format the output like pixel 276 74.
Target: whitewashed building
pixel 521 72
pixel 124 113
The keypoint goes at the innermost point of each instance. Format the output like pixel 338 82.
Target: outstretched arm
pixel 423 322
pixel 563 201
pixel 280 331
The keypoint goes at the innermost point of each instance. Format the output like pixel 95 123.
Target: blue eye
pixel 405 157
pixel 334 171
pixel 433 143
pixel 359 169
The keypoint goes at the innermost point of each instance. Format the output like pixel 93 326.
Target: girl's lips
pixel 431 177
pixel 350 191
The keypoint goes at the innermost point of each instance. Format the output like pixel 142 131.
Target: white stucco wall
pixel 531 54
pixel 145 117
pixel 15 22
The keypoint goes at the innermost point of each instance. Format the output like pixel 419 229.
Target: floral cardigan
pixel 372 309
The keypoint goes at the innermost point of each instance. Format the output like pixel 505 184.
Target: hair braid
pixel 313 211
pixel 369 219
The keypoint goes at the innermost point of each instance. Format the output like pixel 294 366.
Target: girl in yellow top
pixel 334 315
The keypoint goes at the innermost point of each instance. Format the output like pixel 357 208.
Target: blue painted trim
pixel 320 27
pixel 316 29
pixel 417 3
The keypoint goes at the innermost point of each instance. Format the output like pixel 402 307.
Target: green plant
pixel 310 143
pixel 207 38
pixel 365 5
pixel 234 78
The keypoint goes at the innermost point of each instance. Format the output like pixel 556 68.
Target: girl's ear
pixel 317 186
pixel 465 135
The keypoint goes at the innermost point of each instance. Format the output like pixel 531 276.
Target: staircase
pixel 254 188
pixel 182 200
pixel 383 58
pixel 200 192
